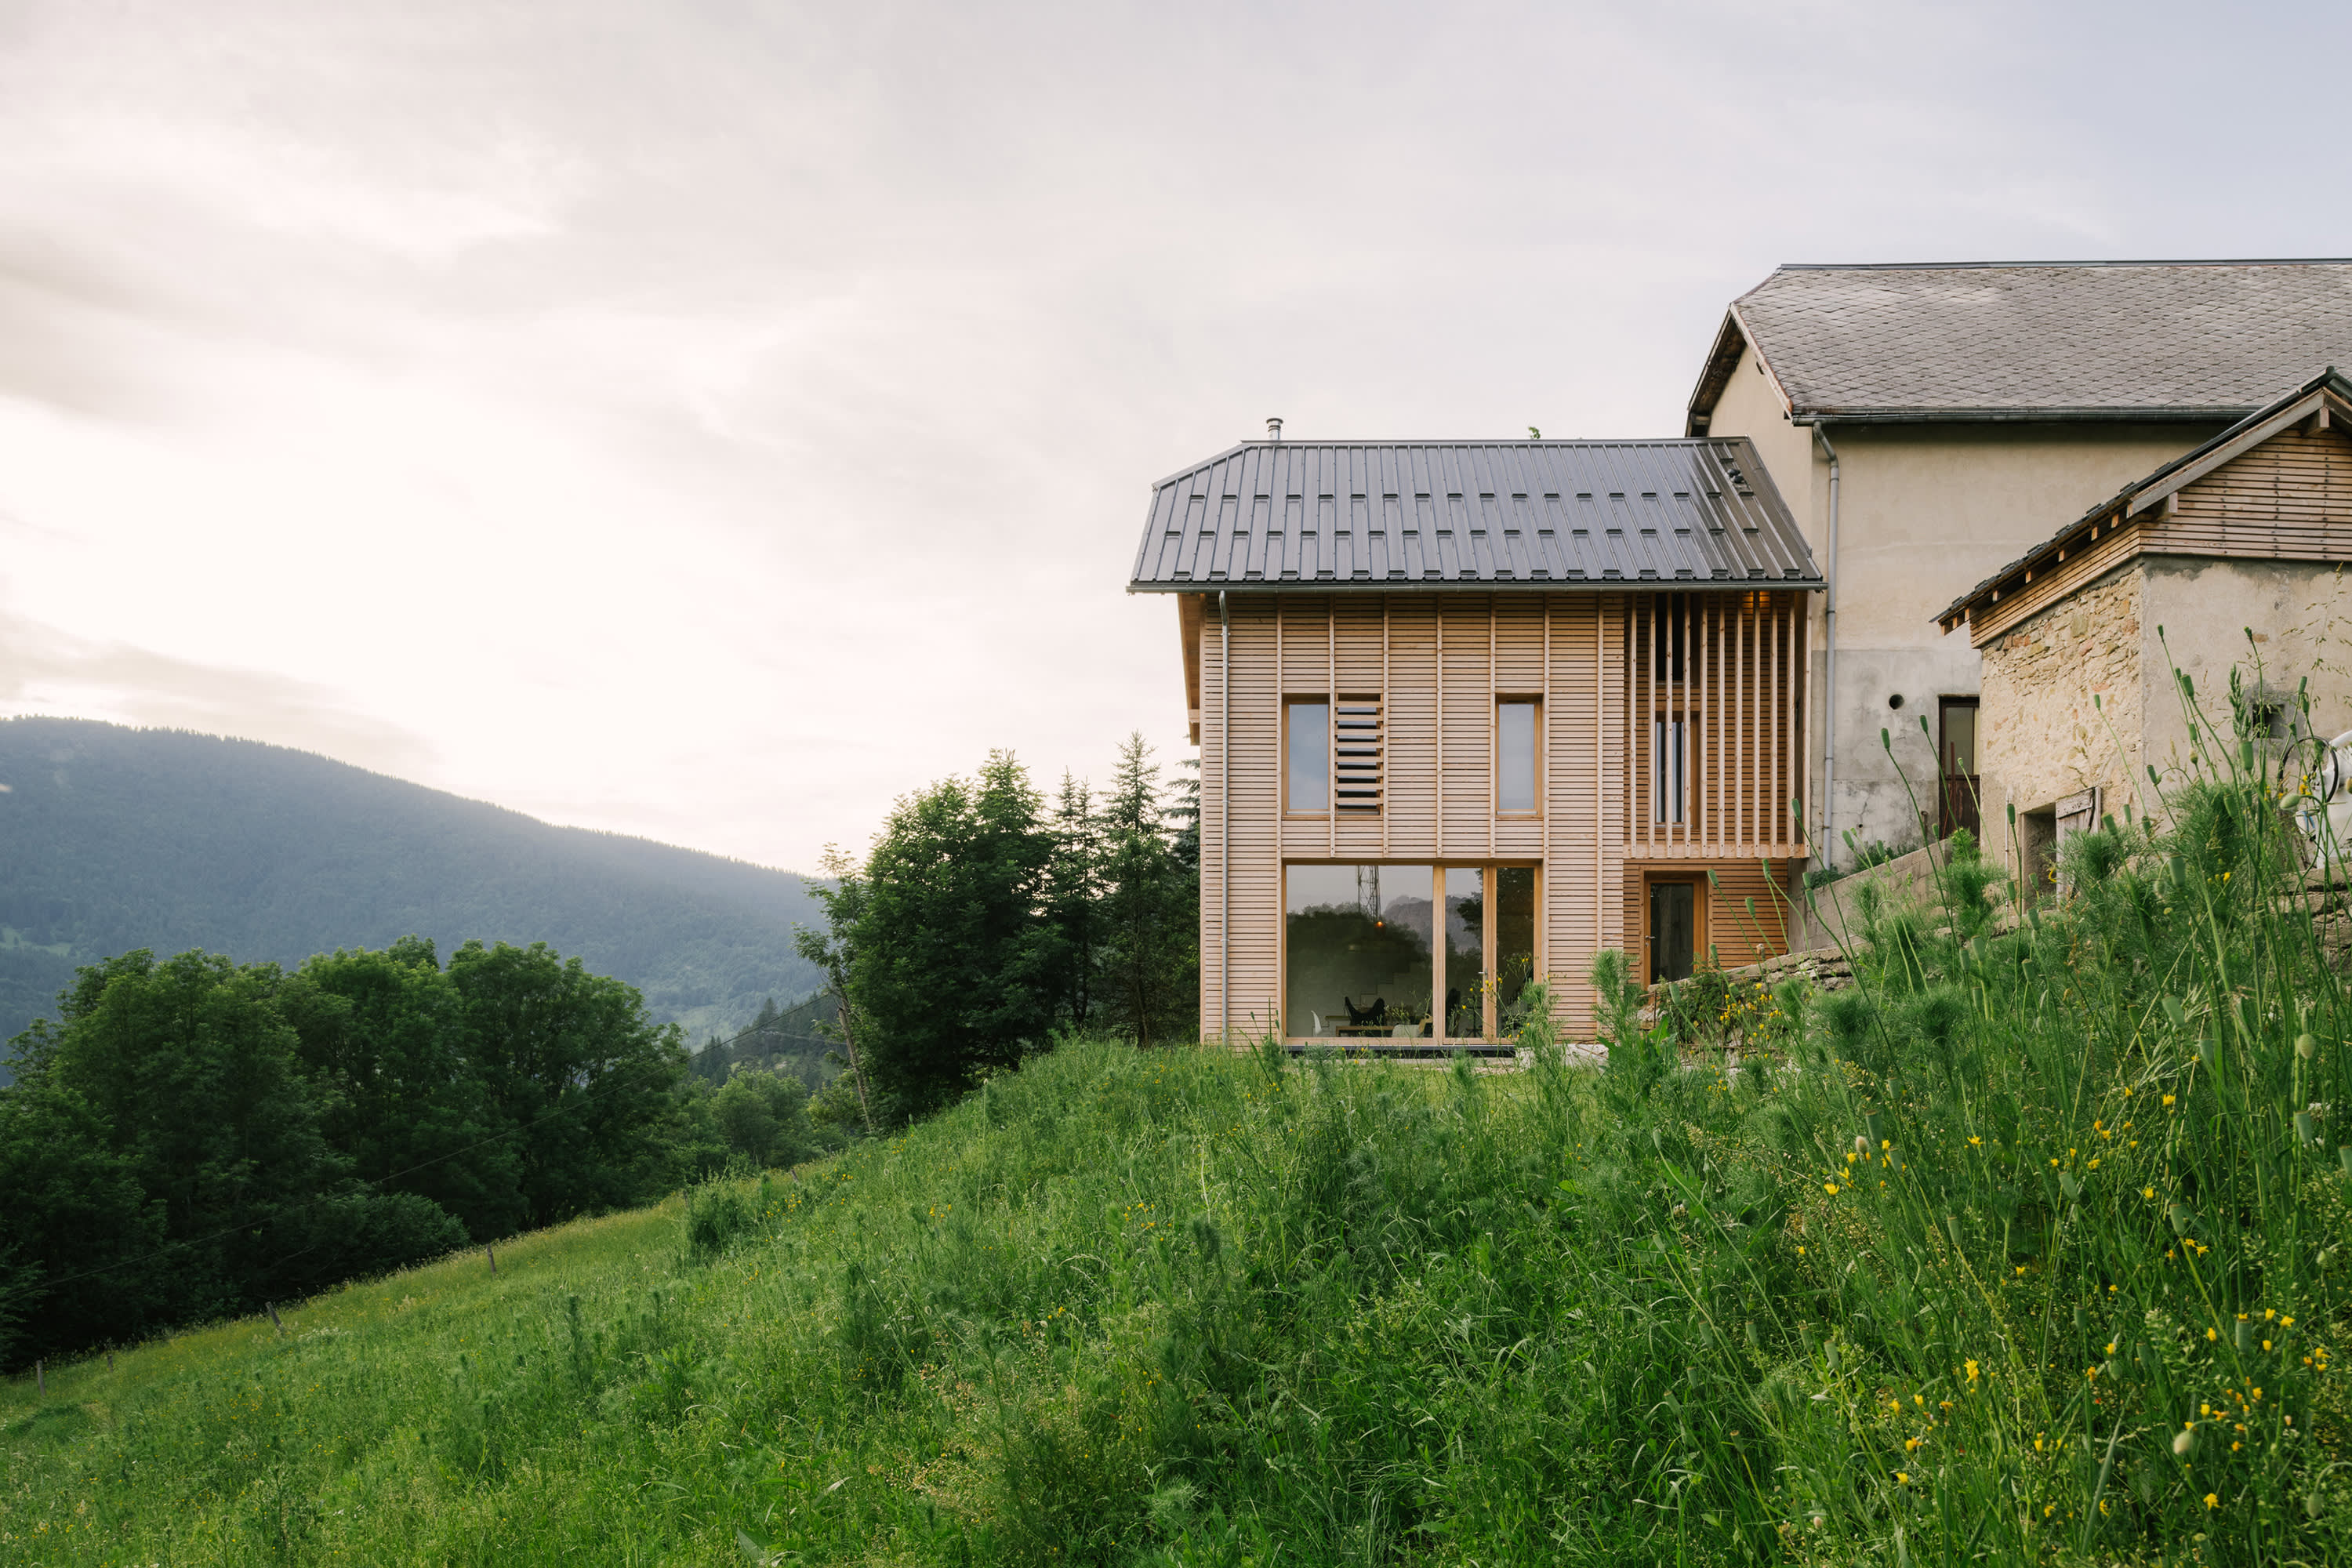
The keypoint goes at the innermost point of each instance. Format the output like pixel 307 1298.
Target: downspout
pixel 1829 659
pixel 1224 824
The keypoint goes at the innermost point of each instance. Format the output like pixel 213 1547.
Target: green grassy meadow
pixel 2029 1248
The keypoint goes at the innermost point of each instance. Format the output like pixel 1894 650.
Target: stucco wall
pixel 1749 406
pixel 2040 736
pixel 1926 511
pixel 2300 613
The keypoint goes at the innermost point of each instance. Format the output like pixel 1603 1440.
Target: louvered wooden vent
pixel 1357 747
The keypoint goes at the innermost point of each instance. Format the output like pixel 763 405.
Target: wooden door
pixel 1957 765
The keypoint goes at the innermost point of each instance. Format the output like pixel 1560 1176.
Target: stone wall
pixel 2280 623
pixel 1823 914
pixel 2039 736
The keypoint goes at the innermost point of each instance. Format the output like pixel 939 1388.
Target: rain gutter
pixel 1224 824
pixel 1829 661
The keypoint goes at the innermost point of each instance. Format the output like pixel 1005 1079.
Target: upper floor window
pixel 1670 768
pixel 1514 754
pixel 1306 756
pixel 1333 755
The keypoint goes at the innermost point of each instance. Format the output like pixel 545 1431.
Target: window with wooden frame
pixel 1671 764
pixel 1334 756
pixel 1518 754
pixel 1306 756
pixel 1379 956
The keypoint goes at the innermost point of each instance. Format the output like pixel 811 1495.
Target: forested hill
pixel 114 838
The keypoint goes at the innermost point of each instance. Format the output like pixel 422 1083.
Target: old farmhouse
pixel 2227 559
pixel 1927 423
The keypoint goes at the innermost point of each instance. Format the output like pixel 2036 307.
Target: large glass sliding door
pixel 1407 954
pixel 1356 956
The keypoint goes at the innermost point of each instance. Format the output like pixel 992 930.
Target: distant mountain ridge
pixel 114 838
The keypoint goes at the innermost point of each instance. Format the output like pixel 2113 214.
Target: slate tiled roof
pixel 1552 514
pixel 2181 340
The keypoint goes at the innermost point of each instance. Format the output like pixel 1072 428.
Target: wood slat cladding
pixel 1707 706
pixel 2113 546
pixel 2275 486
pixel 1434 667
pixel 2289 498
pixel 1409 824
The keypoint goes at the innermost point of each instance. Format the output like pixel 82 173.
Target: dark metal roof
pixel 1519 514
pixel 2140 493
pixel 2199 340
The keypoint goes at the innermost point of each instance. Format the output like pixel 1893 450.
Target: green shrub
pixel 717 1215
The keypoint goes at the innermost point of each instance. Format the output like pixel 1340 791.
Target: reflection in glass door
pixel 1514 942
pixel 1673 929
pixel 1396 953
pixel 1957 766
pixel 1465 953
pixel 1356 958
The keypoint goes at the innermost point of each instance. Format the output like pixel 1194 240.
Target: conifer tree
pixel 1150 930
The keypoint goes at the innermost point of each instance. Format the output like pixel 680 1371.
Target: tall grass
pixel 2029 1248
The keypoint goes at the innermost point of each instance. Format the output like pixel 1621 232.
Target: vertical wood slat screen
pixel 1708 711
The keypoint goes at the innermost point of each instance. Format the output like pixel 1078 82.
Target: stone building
pixel 2228 558
pixel 1927 423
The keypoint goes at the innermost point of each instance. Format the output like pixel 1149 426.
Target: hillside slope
pixel 113 838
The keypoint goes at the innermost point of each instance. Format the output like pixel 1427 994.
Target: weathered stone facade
pixel 2065 701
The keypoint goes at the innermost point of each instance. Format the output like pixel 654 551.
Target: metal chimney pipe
pixel 1274 429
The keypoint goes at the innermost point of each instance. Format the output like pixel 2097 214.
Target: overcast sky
pixel 710 420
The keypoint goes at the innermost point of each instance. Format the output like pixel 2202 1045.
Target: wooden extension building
pixel 1469 713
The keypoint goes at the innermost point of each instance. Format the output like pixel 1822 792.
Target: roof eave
pixel 2028 415
pixel 1715 374
pixel 1472 584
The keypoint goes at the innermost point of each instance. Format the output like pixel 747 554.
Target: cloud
pixel 46 671
pixel 715 421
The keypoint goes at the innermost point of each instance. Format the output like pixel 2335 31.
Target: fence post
pixel 273 1319
pixel 492 1253
pixel 40 1379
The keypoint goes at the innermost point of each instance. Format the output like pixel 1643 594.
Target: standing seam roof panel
pixel 1394 513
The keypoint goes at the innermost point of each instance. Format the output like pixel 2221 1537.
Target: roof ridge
pixel 1983 266
pixel 1263 444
